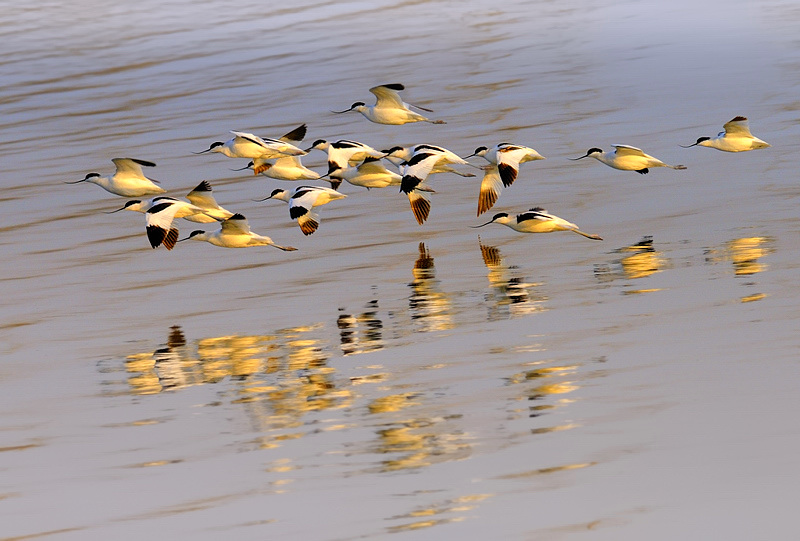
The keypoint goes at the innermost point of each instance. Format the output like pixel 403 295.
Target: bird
pixel 400 155
pixel 343 153
pixel 127 181
pixel 235 233
pixel 302 200
pixel 159 213
pixel 371 173
pixel 286 168
pixel 507 157
pixel 735 138
pixel 537 220
pixel 627 158
pixel 415 172
pixel 389 107
pixel 247 145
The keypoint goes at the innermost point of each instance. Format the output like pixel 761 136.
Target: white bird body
pixel 344 153
pixel 286 168
pixel 247 145
pixel 302 200
pixel 537 220
pixel 627 158
pixel 235 233
pixel 389 107
pixel 735 138
pixel 369 174
pixel 128 180
pixel 400 155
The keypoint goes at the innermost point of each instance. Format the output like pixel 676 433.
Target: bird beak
pixel 477 226
pixel 203 152
pixel 260 200
pixel 471 155
pixel 77 181
pixel 340 112
pixel 113 211
pixel 689 146
pixel 243 168
pixel 582 157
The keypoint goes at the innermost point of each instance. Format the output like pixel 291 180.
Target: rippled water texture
pixel 434 381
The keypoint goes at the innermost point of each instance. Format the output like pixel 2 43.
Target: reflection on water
pixel 546 387
pixel 746 252
pixel 362 333
pixel 431 308
pixel 438 513
pixel 640 261
pixel 510 295
pixel 417 442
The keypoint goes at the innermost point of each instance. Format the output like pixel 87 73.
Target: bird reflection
pixel 362 333
pixel 510 294
pixel 543 385
pixel 745 253
pixel 431 309
pixel 419 442
pixel 641 261
pixel 278 378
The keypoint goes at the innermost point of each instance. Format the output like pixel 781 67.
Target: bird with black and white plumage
pixel 627 158
pixel 159 214
pixel 235 233
pixel 202 196
pixel 389 107
pixel 736 137
pixel 415 172
pixel 344 153
pixel 302 201
pixel 507 157
pixel 399 156
pixel 371 173
pixel 127 181
pixel 537 220
pixel 247 145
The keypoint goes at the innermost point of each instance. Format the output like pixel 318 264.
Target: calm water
pixel 433 382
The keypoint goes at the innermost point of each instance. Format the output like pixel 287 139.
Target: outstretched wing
pixel 388 96
pixel 627 150
pixel 737 126
pixel 491 186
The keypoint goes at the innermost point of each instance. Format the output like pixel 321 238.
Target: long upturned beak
pixel 689 146
pixel 113 211
pixel 582 157
pixel 204 151
pixel 345 111
pixel 248 166
pixel 77 181
pixel 477 226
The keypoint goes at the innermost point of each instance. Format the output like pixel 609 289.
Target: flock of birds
pixel 361 165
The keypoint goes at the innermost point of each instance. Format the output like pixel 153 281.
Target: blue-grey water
pixel 390 379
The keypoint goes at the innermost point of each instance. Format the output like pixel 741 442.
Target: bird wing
pixel 388 96
pixel 536 213
pixel 420 205
pixel 131 165
pixel 491 186
pixel 627 150
pixel 372 166
pixel 249 137
pixel 305 197
pixel 201 196
pixel 296 134
pixel 738 126
pixel 162 213
pixel 417 170
pixel 236 225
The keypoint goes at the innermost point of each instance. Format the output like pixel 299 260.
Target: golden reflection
pixel 640 261
pixel 420 442
pixel 361 333
pixel 546 471
pixel 430 307
pixel 279 378
pixel 433 513
pixel 746 252
pixel 510 294
pixel 549 382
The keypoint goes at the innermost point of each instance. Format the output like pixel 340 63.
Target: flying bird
pixel 735 138
pixel 627 158
pixel 128 180
pixel 389 107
